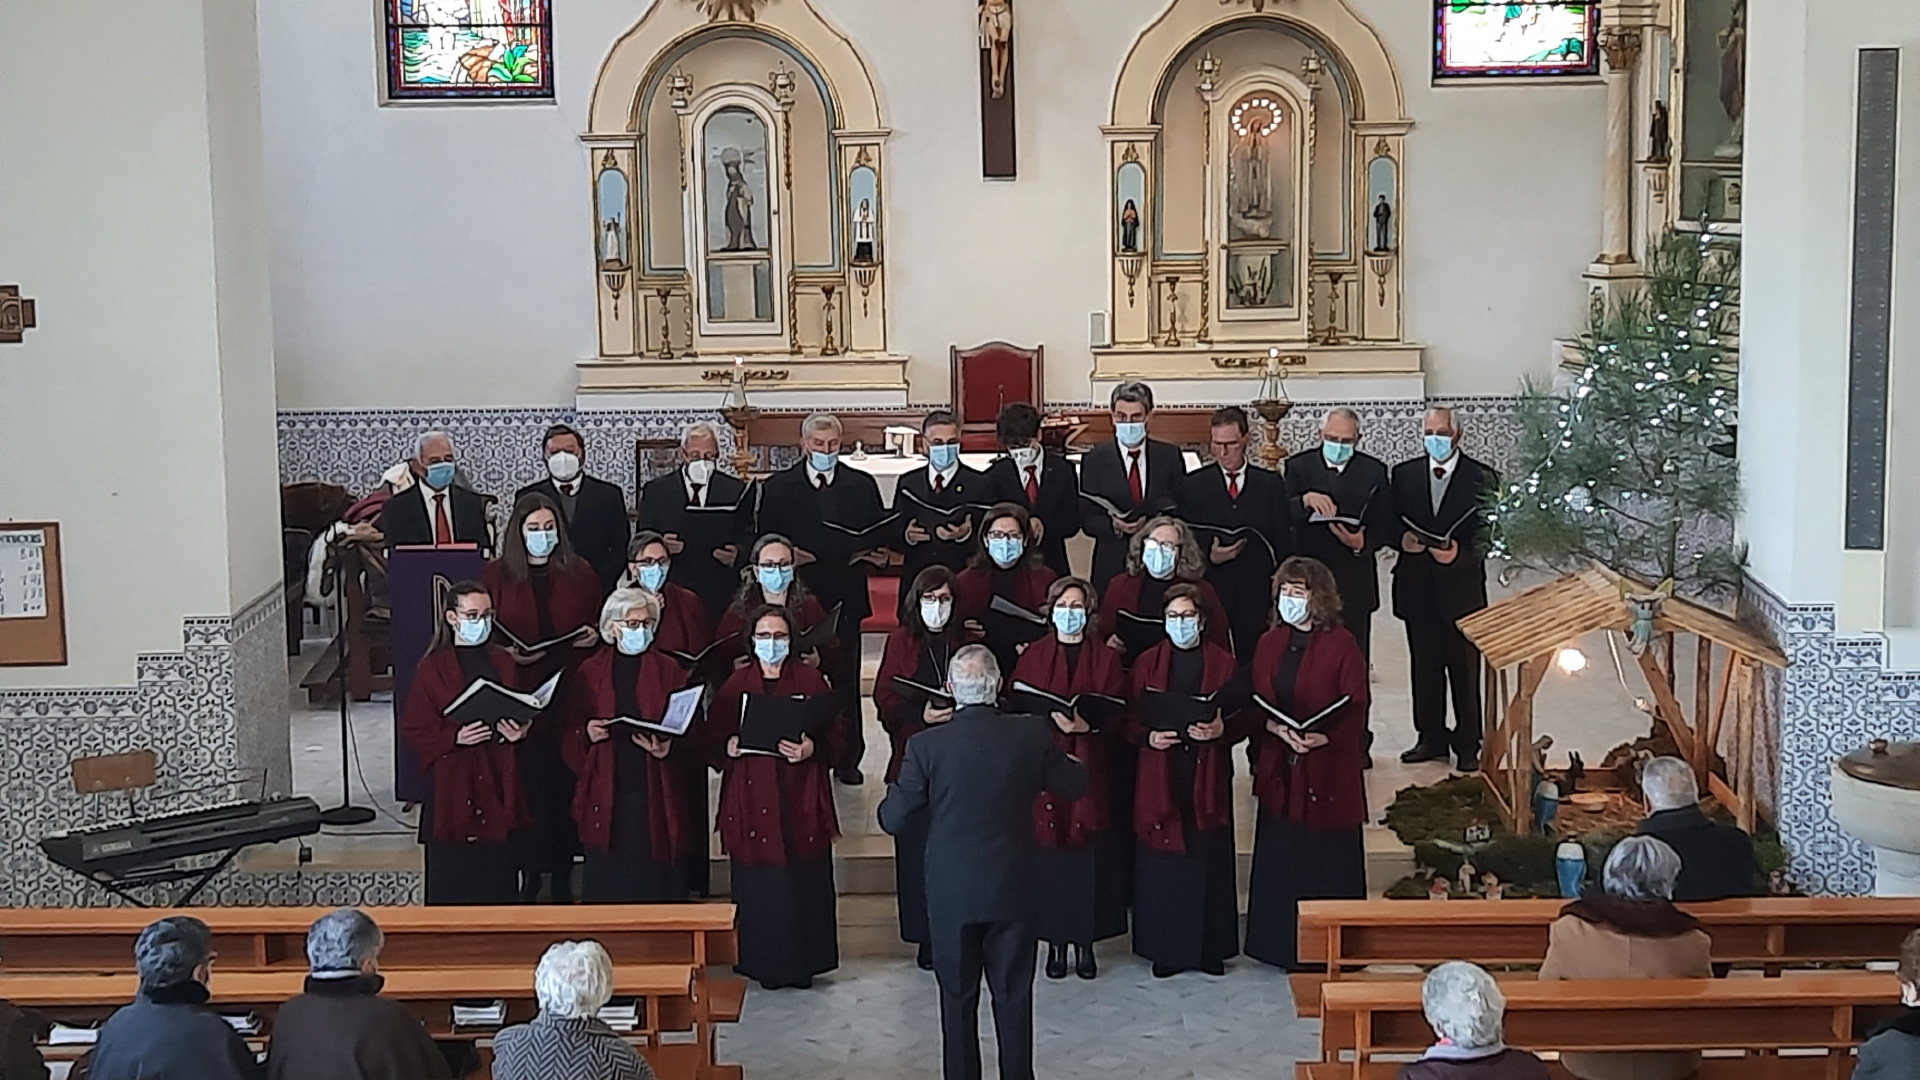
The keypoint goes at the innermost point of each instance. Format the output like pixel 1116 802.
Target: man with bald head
pixel 1440 576
pixel 1343 514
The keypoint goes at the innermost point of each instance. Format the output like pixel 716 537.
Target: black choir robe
pixel 968 487
pixel 1058 508
pixel 1431 596
pixel 597 524
pixel 1103 472
pixel 1244 583
pixel 663 508
pixel 1360 489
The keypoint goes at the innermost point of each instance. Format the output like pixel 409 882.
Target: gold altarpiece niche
pixel 1255 192
pixel 738 188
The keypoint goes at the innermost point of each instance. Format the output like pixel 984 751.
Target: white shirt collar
pixel 1238 476
pixel 428 494
pixel 1038 466
pixel 946 475
pixel 814 475
pixel 1445 467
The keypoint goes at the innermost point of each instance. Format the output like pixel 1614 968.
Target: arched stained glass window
pixel 1532 39
pixel 486 49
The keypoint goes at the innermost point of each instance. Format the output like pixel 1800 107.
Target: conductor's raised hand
pixel 473 734
pixel 513 731
pixel 1208 731
pixel 599 730
pixel 796 752
pixel 1163 740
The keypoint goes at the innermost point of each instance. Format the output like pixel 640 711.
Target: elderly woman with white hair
pixel 568 1040
pixel 629 803
pixel 1464 1006
pixel 341 1028
pixel 1630 930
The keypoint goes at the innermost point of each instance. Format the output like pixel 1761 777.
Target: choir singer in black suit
pixel 698 482
pixel 1232 494
pixel 1442 575
pixel 595 509
pixel 823 508
pixel 1039 479
pixel 976 778
pixel 930 538
pixel 1337 480
pixel 1138 474
pixel 436 508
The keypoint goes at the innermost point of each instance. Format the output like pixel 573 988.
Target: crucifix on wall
pixel 996 89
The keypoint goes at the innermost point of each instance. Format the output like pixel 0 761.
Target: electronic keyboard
pixel 110 851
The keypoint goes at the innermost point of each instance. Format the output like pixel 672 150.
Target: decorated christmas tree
pixel 1629 460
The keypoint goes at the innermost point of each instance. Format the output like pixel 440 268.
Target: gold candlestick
pixel 1173 312
pixel 827 347
pixel 666 323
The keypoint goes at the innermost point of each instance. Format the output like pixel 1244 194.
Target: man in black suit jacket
pixel 596 510
pixel 975 778
pixel 1716 860
pixel 800 502
pixel 1336 480
pixel 435 508
pixel 1229 493
pixel 1116 470
pixel 928 537
pixel 1439 494
pixel 1038 479
pixel 687 508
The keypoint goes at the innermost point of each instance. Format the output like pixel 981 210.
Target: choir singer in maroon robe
pixel 683 625
pixel 477 803
pixel 1007 564
pixel 1082 856
pixel 777 820
pixel 1310 785
pixel 1184 905
pixel 629 805
pixel 769 581
pixel 1162 554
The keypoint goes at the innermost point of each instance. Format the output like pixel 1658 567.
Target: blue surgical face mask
pixel 1293 610
pixel 440 474
pixel 652 576
pixel 1005 550
pixel 1336 453
pixel 634 641
pixel 821 461
pixel 771 650
pixel 1158 558
pixel 775 580
pixel 1070 620
pixel 1131 433
pixel 1439 447
pixel 473 631
pixel 1183 630
pixel 541 542
pixel 944 455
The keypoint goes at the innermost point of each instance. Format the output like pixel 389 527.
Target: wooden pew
pixel 1830 1012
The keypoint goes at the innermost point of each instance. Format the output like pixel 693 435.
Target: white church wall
pixel 439 256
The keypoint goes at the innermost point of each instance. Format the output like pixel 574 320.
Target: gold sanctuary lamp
pixel 1273 405
pixel 739 414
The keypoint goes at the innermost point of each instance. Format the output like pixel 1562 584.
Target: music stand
pixel 346 813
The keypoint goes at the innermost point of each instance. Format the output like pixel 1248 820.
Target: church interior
pixel 1526 230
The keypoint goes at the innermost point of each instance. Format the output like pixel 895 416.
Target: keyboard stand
pixel 119 886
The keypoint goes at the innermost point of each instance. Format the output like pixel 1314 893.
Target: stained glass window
pixel 469 49
pixel 1530 39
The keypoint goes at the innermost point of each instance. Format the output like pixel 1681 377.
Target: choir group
pixel 1226 604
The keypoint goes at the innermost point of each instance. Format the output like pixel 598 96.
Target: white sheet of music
pixel 23 577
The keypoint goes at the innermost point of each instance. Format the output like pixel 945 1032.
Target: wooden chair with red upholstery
pixel 988 377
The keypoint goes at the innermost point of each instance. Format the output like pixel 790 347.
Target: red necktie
pixel 820 481
pixel 442 531
pixel 1439 473
pixel 939 483
pixel 1033 485
pixel 1133 478
pixel 1233 486
pixel 696 495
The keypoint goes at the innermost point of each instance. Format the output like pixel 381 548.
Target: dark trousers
pixel 1444 661
pixel 842 669
pixel 1004 953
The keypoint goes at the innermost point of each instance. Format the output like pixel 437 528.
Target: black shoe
pixel 1469 762
pixel 804 984
pixel 1085 968
pixel 1056 960
pixel 1165 971
pixel 1422 753
pixel 1214 967
pixel 849 776
pixel 923 957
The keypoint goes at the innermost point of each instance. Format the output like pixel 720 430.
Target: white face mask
pixel 1026 456
pixel 935 613
pixel 700 471
pixel 563 465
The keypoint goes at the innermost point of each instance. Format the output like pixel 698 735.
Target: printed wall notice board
pixel 33 617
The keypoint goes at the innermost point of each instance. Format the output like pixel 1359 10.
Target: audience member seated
pixel 1465 1007
pixel 19 1057
pixel 568 1038
pixel 168 1033
pixel 1892 1052
pixel 341 1028
pixel 1630 930
pixel 439 509
pixel 1716 860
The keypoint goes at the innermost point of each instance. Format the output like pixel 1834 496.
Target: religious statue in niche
pixel 739 204
pixel 1250 169
pixel 996 37
pixel 1382 225
pixel 1130 228
pixel 1733 77
pixel 1660 133
pixel 863 233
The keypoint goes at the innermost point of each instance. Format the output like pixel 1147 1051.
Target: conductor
pixel 976 777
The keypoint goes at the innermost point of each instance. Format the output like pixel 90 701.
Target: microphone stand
pixel 346 813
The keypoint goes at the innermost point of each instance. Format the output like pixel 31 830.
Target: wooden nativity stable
pixel 1519 636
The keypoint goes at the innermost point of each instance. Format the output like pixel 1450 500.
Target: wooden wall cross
pixel 16 315
pixel 996 90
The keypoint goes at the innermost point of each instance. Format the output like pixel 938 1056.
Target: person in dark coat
pixel 1082 852
pixel 705 516
pixel 1006 564
pixel 1892 1051
pixel 1337 480
pixel 1440 493
pixel 595 510
pixel 1228 494
pixel 340 1028
pixel 815 502
pixel 1716 860
pixel 478 802
pixel 1141 476
pixel 631 812
pixel 777 821
pixel 976 778
pixel 1037 478
pixel 1185 908
pixel 1310 785
pixel 169 1033
pixel 918 650
pixel 436 508
pixel 940 505
pixel 1465 1008
pixel 19 1053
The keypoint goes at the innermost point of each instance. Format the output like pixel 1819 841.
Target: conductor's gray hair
pixel 698 427
pixel 425 437
pixel 622 601
pixel 818 421
pixel 1641 868
pixel 1668 784
pixel 974 676
pixel 343 942
pixel 170 951
pixel 574 979
pixel 1463 1005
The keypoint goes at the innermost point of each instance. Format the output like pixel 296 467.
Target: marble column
pixel 1622 48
